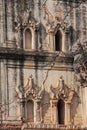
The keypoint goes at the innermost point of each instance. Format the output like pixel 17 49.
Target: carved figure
pixel 32 90
pixel 19 90
pixel 29 83
pixel 61 84
pixel 25 17
pixel 56 92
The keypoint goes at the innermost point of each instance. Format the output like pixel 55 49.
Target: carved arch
pixel 29 38
pixel 59 39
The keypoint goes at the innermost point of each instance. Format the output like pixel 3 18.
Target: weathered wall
pixel 45 12
pixel 43 18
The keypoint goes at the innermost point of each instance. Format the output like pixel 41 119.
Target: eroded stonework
pixel 43 64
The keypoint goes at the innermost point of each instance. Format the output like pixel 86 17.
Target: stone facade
pixel 43 76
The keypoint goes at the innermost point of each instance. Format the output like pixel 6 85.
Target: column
pixel 3 24
pixel 22 105
pixel 37 112
pixel 63 42
pixel 33 39
pixel 35 106
pixel 51 41
pixel 54 112
pixel 67 41
pixel 67 113
pixel 10 34
pixel 83 110
pixel 36 39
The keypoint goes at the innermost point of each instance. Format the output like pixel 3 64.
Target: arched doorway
pixel 61 111
pixel 58 41
pixel 28 39
pixel 30 111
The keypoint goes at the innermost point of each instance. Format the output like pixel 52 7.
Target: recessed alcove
pixel 58 41
pixel 61 111
pixel 30 111
pixel 28 39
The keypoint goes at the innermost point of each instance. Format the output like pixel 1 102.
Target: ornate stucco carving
pixel 30 90
pixel 25 19
pixel 22 21
pixel 54 16
pixel 19 91
pixel 61 91
pixel 53 10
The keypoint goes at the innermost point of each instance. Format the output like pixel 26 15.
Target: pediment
pixel 61 91
pixel 53 9
pixel 30 90
pixel 25 20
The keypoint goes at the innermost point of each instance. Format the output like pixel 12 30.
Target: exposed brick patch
pixel 10 127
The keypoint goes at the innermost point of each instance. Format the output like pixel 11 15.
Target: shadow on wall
pixel 42 35
pixel 46 107
pixel 74 35
pixel 74 107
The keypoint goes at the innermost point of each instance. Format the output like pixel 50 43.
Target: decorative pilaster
pixel 67 113
pixel 10 35
pixel 51 40
pixel 54 112
pixel 33 40
pixel 3 24
pixel 22 105
pixel 35 113
pixel 38 112
pixel 67 40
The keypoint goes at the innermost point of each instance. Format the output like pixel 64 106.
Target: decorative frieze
pixel 52 126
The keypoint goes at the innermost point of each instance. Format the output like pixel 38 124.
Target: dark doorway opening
pixel 58 41
pixel 61 111
pixel 30 111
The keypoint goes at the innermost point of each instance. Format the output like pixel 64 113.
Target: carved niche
pixel 30 100
pixel 24 20
pixel 61 92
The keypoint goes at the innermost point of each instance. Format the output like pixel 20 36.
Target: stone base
pixel 51 127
